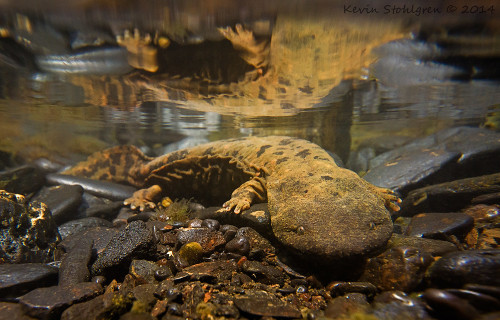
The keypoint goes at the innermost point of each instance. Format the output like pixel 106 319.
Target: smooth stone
pixel 484 213
pixel 100 236
pixel 493 291
pixel 239 246
pixel 74 265
pixel 212 271
pixel 13 311
pixel 99 308
pixel 17 279
pixel 105 211
pixel 262 273
pixel 50 302
pixel 489 198
pixel 22 180
pixel 479 300
pixel 28 232
pixel 105 189
pixel 207 238
pixel 259 246
pixel 147 269
pixel 262 303
pixel 189 253
pixel 62 201
pixel 256 217
pixel 340 288
pixel 134 241
pixel 448 196
pixel 440 225
pixel 432 246
pixel 446 155
pixel 447 305
pixel 75 226
pixel 397 305
pixel 145 293
pixel 399 268
pixel 472 266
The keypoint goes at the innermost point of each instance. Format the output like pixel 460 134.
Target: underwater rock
pixel 262 303
pixel 74 265
pixel 22 180
pixel 399 268
pixel 189 253
pixel 480 301
pixel 339 288
pixel 147 270
pixel 105 189
pixel 396 305
pixel 472 266
pixel 208 239
pixel 100 237
pixel 62 201
pixel 262 273
pixel 447 155
pixel 239 246
pixel 10 310
pixel 75 226
pixel 440 225
pixel 50 302
pixel 212 271
pixel 259 246
pixel 344 306
pixel 99 308
pixel 445 304
pixel 134 241
pixel 27 231
pixel 448 196
pixel 17 279
pixel 432 246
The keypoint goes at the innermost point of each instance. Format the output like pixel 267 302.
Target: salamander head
pixel 322 220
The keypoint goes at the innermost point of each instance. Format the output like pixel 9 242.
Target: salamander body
pixel 317 208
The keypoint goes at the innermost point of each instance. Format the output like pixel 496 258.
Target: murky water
pixel 80 77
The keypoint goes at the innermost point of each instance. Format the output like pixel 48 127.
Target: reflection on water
pixel 168 75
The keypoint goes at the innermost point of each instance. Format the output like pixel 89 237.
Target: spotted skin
pixel 313 203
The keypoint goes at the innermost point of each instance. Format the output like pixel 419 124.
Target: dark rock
pixel 432 246
pixel 259 246
pixel 145 293
pixel 489 290
pixel 216 271
pixel 489 198
pixel 343 307
pixel 105 189
pixel 137 316
pixel 262 303
pixel 17 279
pixel 62 201
pixel 105 306
pixel 449 196
pixel 444 156
pixel 134 241
pixel 50 302
pixel 100 236
pixel 256 217
pixel 47 165
pixel 208 239
pixel 340 288
pixel 447 305
pixel 479 300
pixel 13 311
pixel 106 211
pixel 262 273
pixel 211 224
pixel 440 225
pixel 79 225
pixel 166 290
pixel 396 305
pixel 147 270
pixel 74 265
pixel 23 180
pixel 27 230
pixel 195 223
pixel 400 268
pixel 229 231
pixel 142 216
pixel 473 266
pixel 238 245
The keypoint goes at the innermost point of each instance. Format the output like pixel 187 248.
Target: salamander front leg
pixel 245 195
pixel 144 198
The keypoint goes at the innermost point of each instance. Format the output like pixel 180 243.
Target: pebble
pixel 207 238
pixel 10 310
pixel 472 266
pixel 440 225
pixel 484 213
pixel 134 241
pixel 445 304
pixel 479 300
pixel 399 268
pixel 211 272
pixel 239 246
pixel 105 189
pixel 98 308
pixel 50 302
pixel 259 246
pixel 147 270
pixel 62 201
pixel 431 246
pixel 17 279
pixel 340 288
pixel 189 253
pixel 262 273
pixel 344 306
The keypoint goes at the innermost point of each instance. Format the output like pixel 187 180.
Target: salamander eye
pixel 300 230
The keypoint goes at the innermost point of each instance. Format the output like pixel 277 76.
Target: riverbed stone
pixel 262 303
pixel 440 225
pixel 17 279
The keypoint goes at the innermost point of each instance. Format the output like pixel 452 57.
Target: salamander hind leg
pixel 245 195
pixel 392 200
pixel 144 198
